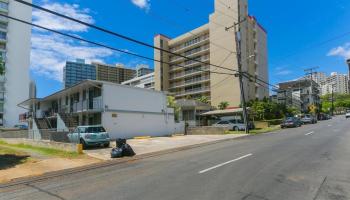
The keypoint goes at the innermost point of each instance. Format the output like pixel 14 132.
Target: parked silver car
pixel 233 124
pixel 90 136
pixel 309 119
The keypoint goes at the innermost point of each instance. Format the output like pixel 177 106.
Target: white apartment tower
pixel 336 82
pixel 213 44
pixel 15 53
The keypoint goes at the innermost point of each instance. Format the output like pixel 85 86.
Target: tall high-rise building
pixel 213 44
pixel 113 73
pixel 338 83
pixel 75 72
pixel 15 55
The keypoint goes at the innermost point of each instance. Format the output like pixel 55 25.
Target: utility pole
pixel 240 73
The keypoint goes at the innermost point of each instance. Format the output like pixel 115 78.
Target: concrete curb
pixel 142 137
pixel 65 172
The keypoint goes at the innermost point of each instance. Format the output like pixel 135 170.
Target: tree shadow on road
pixel 11 160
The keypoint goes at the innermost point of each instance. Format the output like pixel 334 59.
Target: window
pixel 2 35
pixel 4 5
pixel 223 122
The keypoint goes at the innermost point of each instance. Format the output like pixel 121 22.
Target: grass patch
pixel 257 131
pixel 42 150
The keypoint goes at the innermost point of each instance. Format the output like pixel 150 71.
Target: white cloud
pixel 51 51
pixel 57 23
pixel 284 72
pixel 143 4
pixel 341 51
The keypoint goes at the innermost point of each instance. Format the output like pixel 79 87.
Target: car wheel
pixel 235 128
pixel 106 145
pixel 83 143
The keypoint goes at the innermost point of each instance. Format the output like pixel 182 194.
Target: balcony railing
pixel 187 45
pixel 88 105
pixel 192 91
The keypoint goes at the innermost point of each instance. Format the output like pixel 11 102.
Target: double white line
pixel 225 163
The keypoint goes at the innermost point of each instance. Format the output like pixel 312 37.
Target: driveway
pixel 150 145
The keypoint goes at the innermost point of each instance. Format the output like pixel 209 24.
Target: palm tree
pixel 223 105
pixel 203 99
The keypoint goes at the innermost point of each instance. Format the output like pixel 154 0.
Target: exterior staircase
pixel 68 120
pixel 42 123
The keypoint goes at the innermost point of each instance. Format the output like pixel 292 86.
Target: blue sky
pixel 301 33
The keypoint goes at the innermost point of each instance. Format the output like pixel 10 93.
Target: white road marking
pixel 225 163
pixel 329 125
pixel 309 133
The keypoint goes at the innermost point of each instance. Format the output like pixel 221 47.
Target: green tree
pixel 223 105
pixel 203 99
pixel 171 103
pixel 2 66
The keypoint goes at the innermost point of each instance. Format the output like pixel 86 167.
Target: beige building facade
pixel 213 44
pixel 113 73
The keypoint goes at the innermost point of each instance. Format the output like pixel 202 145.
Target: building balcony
pixel 88 106
pixel 190 82
pixel 192 91
pixel 189 63
pixel 4 19
pixel 201 51
pixel 189 73
pixel 183 48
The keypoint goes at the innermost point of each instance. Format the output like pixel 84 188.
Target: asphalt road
pixel 311 162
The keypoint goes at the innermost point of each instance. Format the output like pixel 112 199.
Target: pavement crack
pixel 45 191
pixel 319 188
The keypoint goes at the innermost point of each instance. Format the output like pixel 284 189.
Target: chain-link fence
pixel 43 134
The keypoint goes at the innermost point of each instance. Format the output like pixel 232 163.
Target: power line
pixel 126 37
pixel 117 34
pixel 99 44
pixel 129 39
pixel 177 26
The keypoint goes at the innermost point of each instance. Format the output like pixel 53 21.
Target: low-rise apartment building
pixel 300 94
pixel 213 44
pixel 124 111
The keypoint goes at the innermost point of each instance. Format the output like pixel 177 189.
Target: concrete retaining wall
pixel 43 143
pixel 13 133
pixel 207 130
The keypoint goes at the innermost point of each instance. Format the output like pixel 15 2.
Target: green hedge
pixel 273 121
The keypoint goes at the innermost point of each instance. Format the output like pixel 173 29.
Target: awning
pixel 224 112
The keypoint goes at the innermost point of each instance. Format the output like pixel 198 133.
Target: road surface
pixel 311 163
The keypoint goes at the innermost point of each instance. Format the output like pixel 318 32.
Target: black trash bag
pixel 117 153
pixel 127 150
pixel 120 142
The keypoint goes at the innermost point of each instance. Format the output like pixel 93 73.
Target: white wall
pixel 137 112
pixel 128 125
pixel 17 62
pixel 132 99
pixel 61 126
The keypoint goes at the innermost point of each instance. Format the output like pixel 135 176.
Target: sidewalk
pixel 145 146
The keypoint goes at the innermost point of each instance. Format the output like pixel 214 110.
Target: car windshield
pixel 289 119
pixel 97 129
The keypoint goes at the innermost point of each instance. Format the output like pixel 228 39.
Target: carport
pixel 213 116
